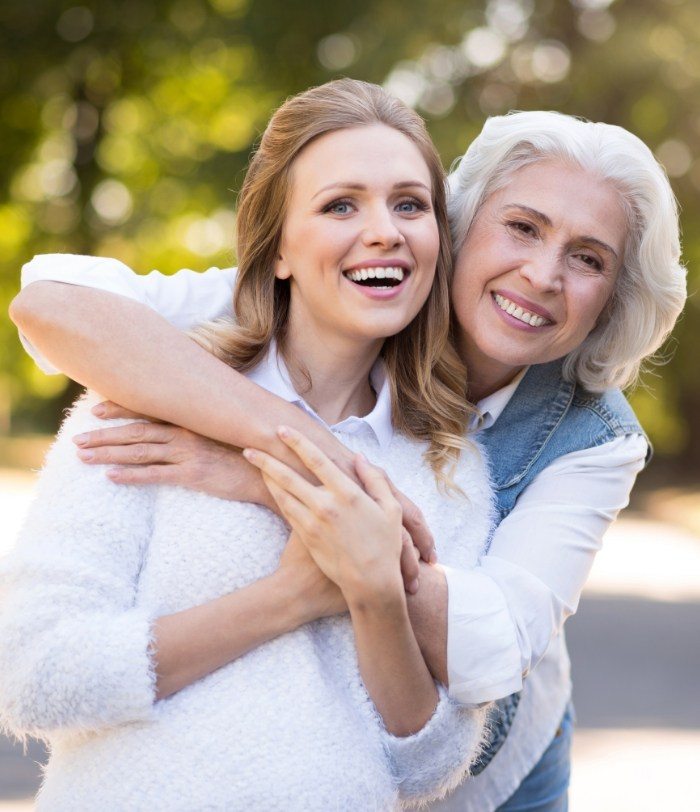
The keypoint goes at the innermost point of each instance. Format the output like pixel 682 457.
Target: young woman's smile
pixel 536 270
pixel 360 240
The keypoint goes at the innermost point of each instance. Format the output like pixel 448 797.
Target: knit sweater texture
pixel 289 726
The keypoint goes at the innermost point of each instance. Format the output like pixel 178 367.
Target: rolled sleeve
pixel 185 298
pixel 503 614
pixel 483 656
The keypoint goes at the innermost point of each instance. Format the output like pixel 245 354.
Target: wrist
pixel 297 597
pixel 380 593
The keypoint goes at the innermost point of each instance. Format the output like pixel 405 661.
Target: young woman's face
pixel 537 268
pixel 360 240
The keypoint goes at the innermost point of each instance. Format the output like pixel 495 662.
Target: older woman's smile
pixel 526 313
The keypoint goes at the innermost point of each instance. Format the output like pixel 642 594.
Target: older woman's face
pixel 537 268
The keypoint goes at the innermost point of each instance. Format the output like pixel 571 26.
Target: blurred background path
pixel 635 647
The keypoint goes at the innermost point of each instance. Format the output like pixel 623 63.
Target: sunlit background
pixel 126 127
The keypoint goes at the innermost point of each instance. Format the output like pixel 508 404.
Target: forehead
pixel 573 198
pixel 372 155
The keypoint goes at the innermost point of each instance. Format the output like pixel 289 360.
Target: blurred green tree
pixel 127 125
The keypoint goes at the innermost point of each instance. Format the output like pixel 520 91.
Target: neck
pixel 331 372
pixel 484 375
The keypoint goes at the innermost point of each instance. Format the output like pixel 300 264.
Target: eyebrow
pixel 546 221
pixel 361 187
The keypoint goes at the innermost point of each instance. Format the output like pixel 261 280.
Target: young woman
pixel 567 275
pixel 117 597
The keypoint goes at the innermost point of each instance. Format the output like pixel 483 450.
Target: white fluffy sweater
pixel 289 726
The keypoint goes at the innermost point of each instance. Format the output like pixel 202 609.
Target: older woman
pixel 567 275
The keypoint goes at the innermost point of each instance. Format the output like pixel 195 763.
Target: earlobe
pixel 281 269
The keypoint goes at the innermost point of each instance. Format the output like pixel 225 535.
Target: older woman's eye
pixel 522 227
pixel 591 261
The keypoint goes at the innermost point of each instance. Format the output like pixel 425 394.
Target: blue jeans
pixel 545 788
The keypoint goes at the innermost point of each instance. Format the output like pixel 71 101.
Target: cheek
pixel 588 305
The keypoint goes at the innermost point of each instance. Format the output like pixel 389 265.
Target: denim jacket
pixel 546 418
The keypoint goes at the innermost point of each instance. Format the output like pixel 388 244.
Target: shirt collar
pixel 491 407
pixel 272 374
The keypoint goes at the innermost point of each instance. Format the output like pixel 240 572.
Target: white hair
pixel 651 287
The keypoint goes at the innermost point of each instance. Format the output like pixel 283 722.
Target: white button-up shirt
pixel 272 374
pixel 502 615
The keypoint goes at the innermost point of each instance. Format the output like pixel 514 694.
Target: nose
pixel 381 229
pixel 544 270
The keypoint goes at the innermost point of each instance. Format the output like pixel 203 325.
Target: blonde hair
pixel 650 290
pixel 427 378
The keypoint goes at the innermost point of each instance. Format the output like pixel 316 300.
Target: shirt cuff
pixel 483 656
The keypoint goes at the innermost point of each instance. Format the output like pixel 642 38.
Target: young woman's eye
pixel 338 207
pixel 411 206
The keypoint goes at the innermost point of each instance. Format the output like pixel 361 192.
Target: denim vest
pixel 546 418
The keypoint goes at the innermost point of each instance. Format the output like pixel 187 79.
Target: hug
pixel 446 362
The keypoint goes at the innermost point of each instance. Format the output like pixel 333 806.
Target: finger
pixel 296 514
pixel 326 471
pixel 145 475
pixel 108 410
pixel 131 433
pixel 409 565
pixel 136 454
pixel 414 522
pixel 284 477
pixel 374 482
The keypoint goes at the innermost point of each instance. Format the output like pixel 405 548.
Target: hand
pixel 320 596
pixel 354 536
pixel 160 453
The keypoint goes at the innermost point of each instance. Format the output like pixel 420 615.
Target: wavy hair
pixel 650 290
pixel 427 377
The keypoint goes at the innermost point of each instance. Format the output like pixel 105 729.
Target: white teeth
pixel 517 312
pixel 361 274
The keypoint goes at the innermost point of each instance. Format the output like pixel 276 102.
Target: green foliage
pixel 127 125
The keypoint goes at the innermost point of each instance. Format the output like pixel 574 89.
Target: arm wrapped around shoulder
pixel 433 761
pixel 74 648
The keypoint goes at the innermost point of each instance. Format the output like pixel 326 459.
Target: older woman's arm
pixel 90 332
pixel 132 355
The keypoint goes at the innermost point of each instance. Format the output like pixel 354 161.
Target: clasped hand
pixel 355 536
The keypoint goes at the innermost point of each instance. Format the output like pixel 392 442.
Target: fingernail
pixel 433 556
pixel 85 455
pixel 413 586
pixel 80 439
pixel 99 410
pixel 283 432
pixel 249 454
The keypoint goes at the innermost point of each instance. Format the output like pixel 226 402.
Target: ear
pixel 282 270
